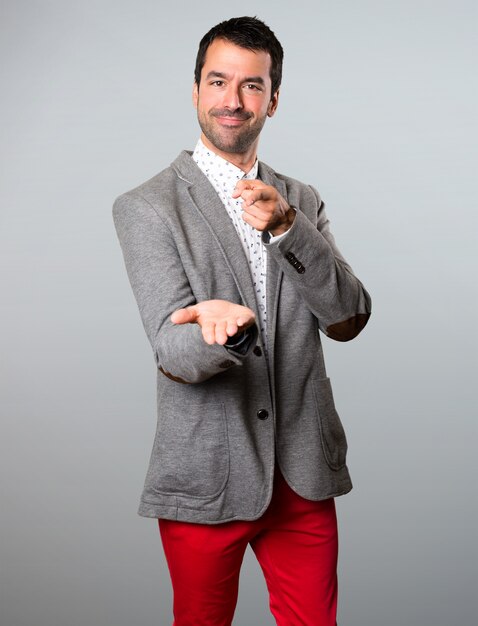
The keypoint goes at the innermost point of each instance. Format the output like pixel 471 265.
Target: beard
pixel 232 139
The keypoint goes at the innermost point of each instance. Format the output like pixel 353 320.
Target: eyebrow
pixel 250 79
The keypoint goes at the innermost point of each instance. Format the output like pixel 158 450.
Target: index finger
pixel 253 196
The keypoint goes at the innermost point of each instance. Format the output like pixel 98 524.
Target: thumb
pixel 245 183
pixel 188 315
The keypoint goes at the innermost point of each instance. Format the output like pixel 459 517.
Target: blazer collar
pixel 187 169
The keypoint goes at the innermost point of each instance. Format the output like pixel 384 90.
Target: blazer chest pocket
pixel 332 434
pixel 190 454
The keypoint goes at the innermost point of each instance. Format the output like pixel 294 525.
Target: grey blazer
pixel 224 418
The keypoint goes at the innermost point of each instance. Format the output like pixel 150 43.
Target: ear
pixel 271 109
pixel 195 94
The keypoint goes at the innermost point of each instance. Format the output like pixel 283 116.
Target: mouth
pixel 230 121
pixel 230 118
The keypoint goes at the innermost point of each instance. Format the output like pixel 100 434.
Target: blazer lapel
pixel 207 202
pixel 274 274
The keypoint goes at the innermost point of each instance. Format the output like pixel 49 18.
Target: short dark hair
pixel 246 32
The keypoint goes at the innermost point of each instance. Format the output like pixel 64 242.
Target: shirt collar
pixel 218 169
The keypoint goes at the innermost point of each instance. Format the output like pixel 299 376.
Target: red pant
pixel 295 542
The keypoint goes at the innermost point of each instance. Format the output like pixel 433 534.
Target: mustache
pixel 237 114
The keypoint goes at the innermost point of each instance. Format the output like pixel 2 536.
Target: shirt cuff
pixel 242 341
pixel 273 238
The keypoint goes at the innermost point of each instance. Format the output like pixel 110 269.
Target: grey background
pixel 378 110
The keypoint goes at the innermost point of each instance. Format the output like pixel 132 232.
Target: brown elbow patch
pixel 171 377
pixel 348 329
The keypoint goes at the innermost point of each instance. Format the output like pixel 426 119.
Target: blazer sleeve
pixel 309 256
pixel 160 286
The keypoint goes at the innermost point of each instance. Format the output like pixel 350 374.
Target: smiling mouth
pixel 230 121
pixel 230 118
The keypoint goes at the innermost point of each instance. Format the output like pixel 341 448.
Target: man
pixel 234 270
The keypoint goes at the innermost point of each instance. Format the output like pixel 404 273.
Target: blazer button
pixel 262 414
pixel 225 364
pixel 257 351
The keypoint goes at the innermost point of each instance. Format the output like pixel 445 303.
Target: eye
pixel 252 87
pixel 217 83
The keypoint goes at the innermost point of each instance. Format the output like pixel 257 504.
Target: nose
pixel 232 98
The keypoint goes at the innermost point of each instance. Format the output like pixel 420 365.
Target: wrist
pixel 285 224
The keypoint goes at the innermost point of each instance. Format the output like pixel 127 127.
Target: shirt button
pixel 262 414
pixel 257 351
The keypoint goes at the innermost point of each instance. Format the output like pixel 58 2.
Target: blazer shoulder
pixel 159 190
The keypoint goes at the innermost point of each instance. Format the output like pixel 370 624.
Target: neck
pixel 243 160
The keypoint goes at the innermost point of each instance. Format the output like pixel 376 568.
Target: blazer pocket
pixel 191 453
pixel 332 434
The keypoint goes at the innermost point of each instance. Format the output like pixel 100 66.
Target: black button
pixel 225 364
pixel 294 261
pixel 262 414
pixel 257 351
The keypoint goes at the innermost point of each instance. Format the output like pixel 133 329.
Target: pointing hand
pixel 264 208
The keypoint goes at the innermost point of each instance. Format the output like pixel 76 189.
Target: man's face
pixel 233 98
